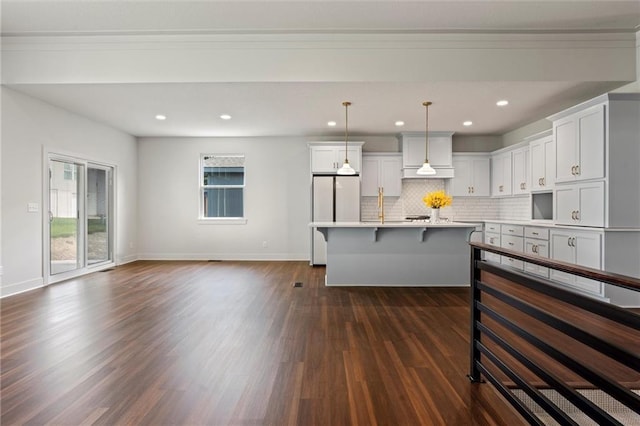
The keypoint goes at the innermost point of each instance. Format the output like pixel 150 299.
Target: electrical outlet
pixel 33 207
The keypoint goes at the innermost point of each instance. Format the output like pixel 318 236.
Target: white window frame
pixel 202 187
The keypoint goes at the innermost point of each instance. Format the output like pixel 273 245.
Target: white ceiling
pixel 299 108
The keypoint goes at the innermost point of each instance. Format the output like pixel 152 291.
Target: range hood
pixel 440 154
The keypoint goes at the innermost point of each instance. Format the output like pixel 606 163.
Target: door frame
pixel 52 154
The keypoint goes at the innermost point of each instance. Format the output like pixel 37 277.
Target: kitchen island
pixel 401 254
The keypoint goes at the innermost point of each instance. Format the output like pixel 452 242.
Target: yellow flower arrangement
pixel 437 199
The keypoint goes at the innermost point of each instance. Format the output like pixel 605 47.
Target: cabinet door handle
pixel 491 240
pixel 577 214
pixel 573 241
pixel 510 244
pixel 577 170
pixel 473 189
pixel 534 248
pixel 544 181
pixel 534 233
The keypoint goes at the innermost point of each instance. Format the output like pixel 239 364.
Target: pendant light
pixel 426 169
pixel 346 168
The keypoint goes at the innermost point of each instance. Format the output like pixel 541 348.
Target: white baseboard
pixel 21 287
pixel 127 259
pixel 225 256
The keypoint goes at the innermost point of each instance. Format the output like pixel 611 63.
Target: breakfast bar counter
pixel 402 254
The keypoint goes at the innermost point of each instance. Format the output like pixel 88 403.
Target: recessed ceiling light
pixel 399 123
pixel 331 123
pixel 502 102
pixel 225 117
pixel 467 123
pixel 161 117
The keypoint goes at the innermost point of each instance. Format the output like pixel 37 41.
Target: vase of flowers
pixel 435 201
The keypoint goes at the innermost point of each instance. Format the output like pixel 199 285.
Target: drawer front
pixel 518 264
pixel 510 242
pixel 513 230
pixel 492 227
pixel 492 238
pixel 538 233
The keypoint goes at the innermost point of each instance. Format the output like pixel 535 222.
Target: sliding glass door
pixel 80 216
pixel 98 214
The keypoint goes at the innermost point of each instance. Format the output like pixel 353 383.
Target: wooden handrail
pixel 617 280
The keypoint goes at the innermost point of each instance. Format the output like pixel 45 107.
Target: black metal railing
pixel 522 326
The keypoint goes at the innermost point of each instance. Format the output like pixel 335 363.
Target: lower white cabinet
pixel 492 237
pixel 582 248
pixel 536 243
pixel 580 204
pixel 512 238
pixel 381 170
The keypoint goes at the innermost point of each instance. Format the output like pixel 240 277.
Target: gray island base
pixel 403 254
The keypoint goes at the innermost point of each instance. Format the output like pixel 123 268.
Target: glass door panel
pixel 65 229
pixel 98 217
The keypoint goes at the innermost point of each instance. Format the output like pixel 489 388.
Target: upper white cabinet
pixel 580 145
pixel 597 145
pixel 520 171
pixel 472 175
pixel 501 174
pixel 542 157
pixel 440 153
pixel 581 204
pixel 328 157
pixel 381 170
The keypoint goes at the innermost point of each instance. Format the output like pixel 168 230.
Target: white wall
pixel 277 200
pixel 28 125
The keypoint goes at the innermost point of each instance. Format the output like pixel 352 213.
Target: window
pixel 221 186
pixel 70 172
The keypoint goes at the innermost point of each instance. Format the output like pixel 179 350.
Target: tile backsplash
pixel 462 209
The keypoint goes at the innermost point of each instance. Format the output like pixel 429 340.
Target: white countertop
pixel 391 224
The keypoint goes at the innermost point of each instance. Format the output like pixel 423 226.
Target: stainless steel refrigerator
pixel 335 199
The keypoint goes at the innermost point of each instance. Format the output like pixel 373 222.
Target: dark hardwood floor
pixel 234 343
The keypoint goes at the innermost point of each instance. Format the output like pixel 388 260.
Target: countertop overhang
pixel 392 224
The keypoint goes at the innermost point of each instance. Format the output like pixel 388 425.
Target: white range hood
pixel 440 154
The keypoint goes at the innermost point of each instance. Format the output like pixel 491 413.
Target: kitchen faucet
pixel 381 204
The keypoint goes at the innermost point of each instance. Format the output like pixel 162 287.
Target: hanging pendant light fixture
pixel 426 169
pixel 346 168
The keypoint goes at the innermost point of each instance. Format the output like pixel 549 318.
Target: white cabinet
pixel 440 153
pixel 520 171
pixel 512 238
pixel 536 243
pixel 501 174
pixel 472 176
pixel 580 145
pixel 579 247
pixel 598 141
pixel 492 237
pixel 542 157
pixel 580 204
pixel 328 157
pixel 381 170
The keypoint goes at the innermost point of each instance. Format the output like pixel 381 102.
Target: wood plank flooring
pixel 234 343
